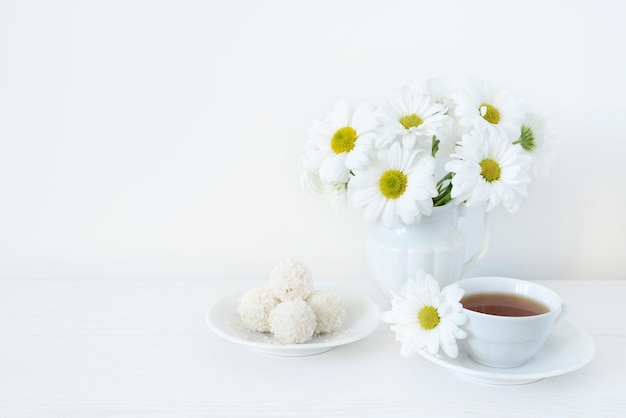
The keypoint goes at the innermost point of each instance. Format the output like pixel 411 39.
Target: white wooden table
pixel 141 348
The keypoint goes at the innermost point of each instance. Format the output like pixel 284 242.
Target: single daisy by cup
pixel 340 143
pixel 397 184
pixel 425 318
pixel 413 119
pixel 489 168
pixel 534 140
pixel 479 105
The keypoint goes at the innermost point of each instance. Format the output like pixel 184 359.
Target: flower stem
pixel 443 197
pixel 435 146
pixel 444 179
pixel 526 139
pixel 444 187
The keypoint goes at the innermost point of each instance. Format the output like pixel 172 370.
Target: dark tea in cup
pixel 503 304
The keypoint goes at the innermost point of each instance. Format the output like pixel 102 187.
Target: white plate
pixel 362 318
pixel 568 348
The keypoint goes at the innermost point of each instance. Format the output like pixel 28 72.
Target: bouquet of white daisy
pixel 429 147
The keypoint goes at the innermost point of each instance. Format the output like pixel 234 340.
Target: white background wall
pixel 162 138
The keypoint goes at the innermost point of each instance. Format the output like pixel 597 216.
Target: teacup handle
pixel 478 255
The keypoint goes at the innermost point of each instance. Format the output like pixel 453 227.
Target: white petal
pixel 339 118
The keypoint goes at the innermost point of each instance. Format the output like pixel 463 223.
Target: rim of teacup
pixel 553 308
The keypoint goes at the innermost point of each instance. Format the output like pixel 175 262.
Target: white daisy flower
pixel 334 194
pixel 435 89
pixel 340 143
pixel 535 140
pixel 413 118
pixel 425 318
pixel 399 183
pixel 489 169
pixel 478 105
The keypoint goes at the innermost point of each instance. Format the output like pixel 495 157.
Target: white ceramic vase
pixel 435 245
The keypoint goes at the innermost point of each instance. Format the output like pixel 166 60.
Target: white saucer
pixel 362 318
pixel 568 348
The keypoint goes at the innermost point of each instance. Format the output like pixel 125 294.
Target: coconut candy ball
pixel 292 322
pixel 328 310
pixel 291 280
pixel 255 307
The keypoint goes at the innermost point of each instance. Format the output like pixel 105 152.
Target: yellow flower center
pixel 411 121
pixel 392 184
pixel 343 140
pixel 490 170
pixel 428 317
pixel 489 113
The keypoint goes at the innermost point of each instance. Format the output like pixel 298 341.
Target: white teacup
pixel 508 341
